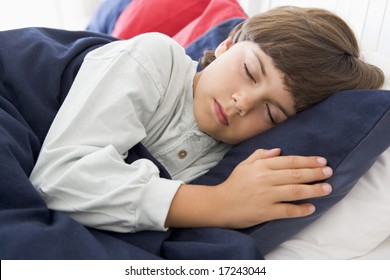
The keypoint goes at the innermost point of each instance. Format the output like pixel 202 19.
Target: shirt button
pixel 182 154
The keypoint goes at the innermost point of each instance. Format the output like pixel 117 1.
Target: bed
pixel 350 223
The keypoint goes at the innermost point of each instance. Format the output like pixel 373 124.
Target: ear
pixel 224 46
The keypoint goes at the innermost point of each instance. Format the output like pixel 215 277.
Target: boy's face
pixel 240 94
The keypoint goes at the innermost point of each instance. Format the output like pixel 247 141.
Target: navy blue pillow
pixel 350 129
pixel 104 19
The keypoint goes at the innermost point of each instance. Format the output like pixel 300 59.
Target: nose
pixel 243 103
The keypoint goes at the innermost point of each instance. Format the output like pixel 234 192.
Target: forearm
pixel 195 206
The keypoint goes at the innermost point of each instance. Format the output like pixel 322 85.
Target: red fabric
pixel 216 12
pixel 165 16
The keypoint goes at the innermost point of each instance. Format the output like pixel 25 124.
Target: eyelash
pixel 272 119
pixel 249 73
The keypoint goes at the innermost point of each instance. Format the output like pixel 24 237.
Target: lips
pixel 220 114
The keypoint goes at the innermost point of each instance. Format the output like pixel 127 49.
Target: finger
pixel 290 210
pixel 293 162
pixel 263 154
pixel 301 191
pixel 297 176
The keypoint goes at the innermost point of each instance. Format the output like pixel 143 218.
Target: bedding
pixel 34 82
pixel 214 14
pixel 357 119
pixel 104 19
pixel 350 229
pixel 142 16
pixel 186 23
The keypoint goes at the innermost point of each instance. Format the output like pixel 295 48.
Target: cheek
pixel 252 126
pixel 220 74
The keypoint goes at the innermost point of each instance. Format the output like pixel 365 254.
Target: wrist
pixel 195 206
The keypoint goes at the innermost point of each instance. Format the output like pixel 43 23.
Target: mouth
pixel 220 114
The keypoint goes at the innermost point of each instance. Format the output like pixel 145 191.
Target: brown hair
pixel 314 48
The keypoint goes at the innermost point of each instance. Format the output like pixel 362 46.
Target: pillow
pixel 350 129
pixel 342 233
pixel 104 19
pixel 350 229
pixel 216 12
pixel 165 16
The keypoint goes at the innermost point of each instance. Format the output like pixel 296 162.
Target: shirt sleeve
pixel 81 169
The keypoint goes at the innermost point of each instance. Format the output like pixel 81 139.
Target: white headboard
pixel 370 19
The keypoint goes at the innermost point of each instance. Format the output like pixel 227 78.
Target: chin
pixel 227 140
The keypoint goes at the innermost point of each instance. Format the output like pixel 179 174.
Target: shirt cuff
pixel 155 202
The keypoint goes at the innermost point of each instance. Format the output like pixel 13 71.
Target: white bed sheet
pixel 381 252
pixel 356 227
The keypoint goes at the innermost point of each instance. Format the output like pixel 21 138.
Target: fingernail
pixel 312 208
pixel 327 188
pixel 322 160
pixel 327 171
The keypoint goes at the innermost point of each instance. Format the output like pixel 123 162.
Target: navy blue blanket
pixel 37 68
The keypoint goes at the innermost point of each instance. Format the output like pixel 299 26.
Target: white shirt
pixel 125 92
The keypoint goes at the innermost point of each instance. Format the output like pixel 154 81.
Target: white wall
pixel 66 14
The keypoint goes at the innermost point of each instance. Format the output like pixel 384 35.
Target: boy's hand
pixel 259 189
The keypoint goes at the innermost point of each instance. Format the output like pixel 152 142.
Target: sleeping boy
pixel 147 90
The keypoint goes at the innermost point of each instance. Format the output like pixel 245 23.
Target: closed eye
pixel 272 119
pixel 248 73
